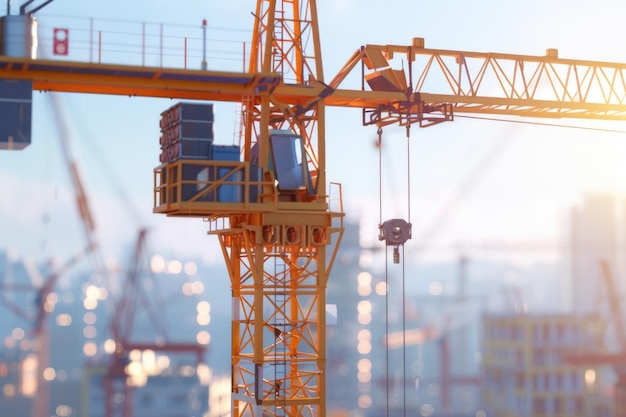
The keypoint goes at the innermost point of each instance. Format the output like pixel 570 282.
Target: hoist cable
pixel 387 329
pixel 408 168
pixel 396 254
pixel 403 334
pixel 380 175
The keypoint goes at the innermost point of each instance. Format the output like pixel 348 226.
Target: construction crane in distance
pixel 39 316
pixel 43 306
pixel 280 238
pixel 132 300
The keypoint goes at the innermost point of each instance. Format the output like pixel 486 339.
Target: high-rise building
pixel 594 235
pixel 526 368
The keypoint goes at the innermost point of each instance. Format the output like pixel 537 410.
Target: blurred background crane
pixel 139 298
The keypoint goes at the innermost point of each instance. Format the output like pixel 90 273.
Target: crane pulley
pixel 395 232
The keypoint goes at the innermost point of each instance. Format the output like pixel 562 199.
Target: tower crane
pixel 280 239
pixel 39 332
pixel 132 300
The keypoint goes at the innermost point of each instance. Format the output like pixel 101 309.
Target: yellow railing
pixel 196 187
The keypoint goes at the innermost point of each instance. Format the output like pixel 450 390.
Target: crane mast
pixel 281 27
pixel 277 260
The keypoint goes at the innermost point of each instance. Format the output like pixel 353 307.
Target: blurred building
pixel 343 329
pixel 526 368
pixel 595 233
pixel 78 331
pixel 177 392
pixel 428 366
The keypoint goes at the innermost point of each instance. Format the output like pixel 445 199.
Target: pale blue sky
pixel 523 192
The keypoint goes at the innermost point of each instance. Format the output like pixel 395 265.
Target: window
pixel 287 158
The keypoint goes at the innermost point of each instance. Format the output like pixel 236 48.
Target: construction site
pixel 206 219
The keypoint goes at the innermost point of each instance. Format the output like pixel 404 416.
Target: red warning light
pixel 61 41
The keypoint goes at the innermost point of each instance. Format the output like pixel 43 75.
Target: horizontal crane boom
pixel 487 83
pixel 471 82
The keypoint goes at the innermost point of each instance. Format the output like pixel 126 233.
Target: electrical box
pixel 15 113
pixel 231 191
pixel 228 193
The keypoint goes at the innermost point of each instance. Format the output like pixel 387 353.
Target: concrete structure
pixel 526 371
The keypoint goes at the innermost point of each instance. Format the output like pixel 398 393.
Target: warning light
pixel 61 41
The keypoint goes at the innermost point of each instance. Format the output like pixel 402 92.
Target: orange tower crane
pixel 280 239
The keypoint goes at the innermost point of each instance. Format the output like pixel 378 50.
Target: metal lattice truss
pixel 278 342
pixel 282 32
pixel 489 83
pixel 278 265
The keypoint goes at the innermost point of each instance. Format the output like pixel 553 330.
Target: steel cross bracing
pixel 278 261
pixel 487 83
pixel 279 293
pixel 279 246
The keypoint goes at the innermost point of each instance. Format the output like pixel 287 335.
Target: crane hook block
pixel 395 232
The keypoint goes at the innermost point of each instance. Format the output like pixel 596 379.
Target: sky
pixel 471 182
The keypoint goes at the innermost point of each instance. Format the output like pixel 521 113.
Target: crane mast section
pixel 282 31
pixel 278 246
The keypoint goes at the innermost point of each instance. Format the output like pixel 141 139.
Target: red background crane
pixel 133 299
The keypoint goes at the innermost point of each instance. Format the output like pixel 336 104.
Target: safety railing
pixel 112 41
pixel 217 188
pixel 196 187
